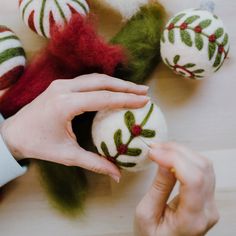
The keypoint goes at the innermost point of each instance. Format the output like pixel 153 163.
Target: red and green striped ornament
pixel 12 58
pixel 41 15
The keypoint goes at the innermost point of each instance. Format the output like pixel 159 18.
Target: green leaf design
pixel 167 62
pixel 219 32
pixel 171 36
pixel 199 71
pixel 226 39
pixel 176 59
pixel 211 50
pixel 186 38
pixel 198 41
pixel 218 59
pixel 145 120
pixel 105 149
pixel 126 164
pixel 163 37
pixel 129 119
pixel 118 137
pixel 198 76
pixel 191 19
pixel 133 152
pixel 189 65
pixel 205 23
pixel 177 18
pixel 147 133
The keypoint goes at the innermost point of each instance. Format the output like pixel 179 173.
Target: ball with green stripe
pixel 12 58
pixel 41 15
pixel 195 43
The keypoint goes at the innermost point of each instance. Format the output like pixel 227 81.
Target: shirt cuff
pixel 9 167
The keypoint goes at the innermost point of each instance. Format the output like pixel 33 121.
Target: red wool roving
pixel 41 15
pixel 12 58
pixel 73 50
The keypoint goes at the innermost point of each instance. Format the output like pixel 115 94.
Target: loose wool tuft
pixel 67 187
pixel 141 39
pixel 41 15
pixel 73 51
pixel 127 8
pixel 122 136
pixel 12 58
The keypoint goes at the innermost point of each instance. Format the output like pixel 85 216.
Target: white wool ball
pixel 194 43
pixel 41 15
pixel 123 136
pixel 127 8
pixel 12 58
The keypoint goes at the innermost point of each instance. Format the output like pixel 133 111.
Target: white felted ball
pixel 41 15
pixel 194 43
pixel 123 136
pixel 12 58
pixel 127 8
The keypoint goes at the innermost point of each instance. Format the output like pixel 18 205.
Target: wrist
pixel 11 141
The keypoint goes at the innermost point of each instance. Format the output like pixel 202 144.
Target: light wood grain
pixel 201 115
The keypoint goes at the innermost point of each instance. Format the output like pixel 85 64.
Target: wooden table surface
pixel 200 114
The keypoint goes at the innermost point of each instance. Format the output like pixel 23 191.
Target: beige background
pixel 200 114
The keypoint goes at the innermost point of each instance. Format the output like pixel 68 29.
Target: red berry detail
pixel 221 49
pixel 111 159
pixel 122 149
pixel 136 130
pixel 212 38
pixel 183 26
pixel 198 29
pixel 171 26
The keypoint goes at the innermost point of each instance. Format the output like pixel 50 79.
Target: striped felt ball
pixel 12 58
pixel 41 15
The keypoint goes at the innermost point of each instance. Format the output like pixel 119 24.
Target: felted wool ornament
pixel 123 136
pixel 140 38
pixel 73 50
pixel 41 15
pixel 194 43
pixel 12 58
pixel 126 8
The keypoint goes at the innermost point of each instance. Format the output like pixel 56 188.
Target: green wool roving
pixel 66 186
pixel 141 39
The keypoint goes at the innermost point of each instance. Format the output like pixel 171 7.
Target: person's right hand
pixel 193 211
pixel 42 129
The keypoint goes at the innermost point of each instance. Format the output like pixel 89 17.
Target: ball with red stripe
pixel 41 15
pixel 12 58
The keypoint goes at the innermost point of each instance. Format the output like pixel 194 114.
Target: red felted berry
pixel 212 38
pixel 184 26
pixel 198 29
pixel 136 130
pixel 111 159
pixel 171 26
pixel 221 49
pixel 122 149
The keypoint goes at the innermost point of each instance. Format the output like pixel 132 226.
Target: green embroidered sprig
pixel 186 69
pixel 135 130
pixel 213 39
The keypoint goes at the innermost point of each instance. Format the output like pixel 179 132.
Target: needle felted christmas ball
pixel 194 43
pixel 123 136
pixel 12 58
pixel 41 15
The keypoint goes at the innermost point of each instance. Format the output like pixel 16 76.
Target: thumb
pixel 154 202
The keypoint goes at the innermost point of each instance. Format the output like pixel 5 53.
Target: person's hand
pixel 42 129
pixel 193 211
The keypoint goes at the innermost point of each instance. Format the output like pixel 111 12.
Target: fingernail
pixel 116 178
pixel 144 87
